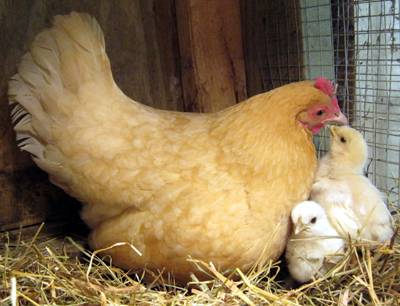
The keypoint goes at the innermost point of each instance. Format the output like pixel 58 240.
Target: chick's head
pixel 307 217
pixel 348 148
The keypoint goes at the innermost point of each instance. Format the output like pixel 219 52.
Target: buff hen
pixel 217 187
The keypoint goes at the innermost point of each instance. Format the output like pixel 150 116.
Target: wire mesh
pixel 377 76
pixel 356 43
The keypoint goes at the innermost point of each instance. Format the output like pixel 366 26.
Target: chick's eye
pixel 342 139
pixel 313 220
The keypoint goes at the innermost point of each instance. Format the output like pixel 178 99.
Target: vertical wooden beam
pixel 212 62
pixel 167 38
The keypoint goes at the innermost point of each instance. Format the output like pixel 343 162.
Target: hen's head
pixel 322 107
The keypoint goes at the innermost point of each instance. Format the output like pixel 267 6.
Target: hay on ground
pixel 36 272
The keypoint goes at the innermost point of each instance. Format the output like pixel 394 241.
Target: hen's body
pixel 218 187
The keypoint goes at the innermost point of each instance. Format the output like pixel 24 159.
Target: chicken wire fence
pixel 355 43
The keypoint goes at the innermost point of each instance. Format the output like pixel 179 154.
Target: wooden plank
pixel 144 57
pixel 165 18
pixel 28 198
pixel 210 42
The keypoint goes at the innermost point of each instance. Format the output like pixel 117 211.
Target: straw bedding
pixel 43 270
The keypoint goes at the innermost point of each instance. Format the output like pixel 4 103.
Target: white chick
pixel 311 252
pixel 354 206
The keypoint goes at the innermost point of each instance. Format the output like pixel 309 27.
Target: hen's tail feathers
pixel 62 59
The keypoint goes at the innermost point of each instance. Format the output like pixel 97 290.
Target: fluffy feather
pixel 311 251
pixel 218 187
pixel 353 204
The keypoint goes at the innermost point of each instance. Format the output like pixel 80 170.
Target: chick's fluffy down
pixel 313 248
pixel 353 204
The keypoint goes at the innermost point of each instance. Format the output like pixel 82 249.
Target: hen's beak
pixel 338 118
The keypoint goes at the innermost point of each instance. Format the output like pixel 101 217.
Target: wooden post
pixel 212 62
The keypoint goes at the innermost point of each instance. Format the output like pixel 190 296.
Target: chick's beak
pixel 299 227
pixel 332 129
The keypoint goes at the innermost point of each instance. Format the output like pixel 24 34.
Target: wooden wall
pixel 211 54
pixel 201 69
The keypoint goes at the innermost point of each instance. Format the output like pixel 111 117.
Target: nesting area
pixel 50 270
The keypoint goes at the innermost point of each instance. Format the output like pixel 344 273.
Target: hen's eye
pixel 319 113
pixel 313 220
pixel 342 139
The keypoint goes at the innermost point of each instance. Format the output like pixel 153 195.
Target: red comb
pixel 328 88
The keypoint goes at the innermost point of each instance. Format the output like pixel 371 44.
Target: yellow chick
pixel 311 249
pixel 354 206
